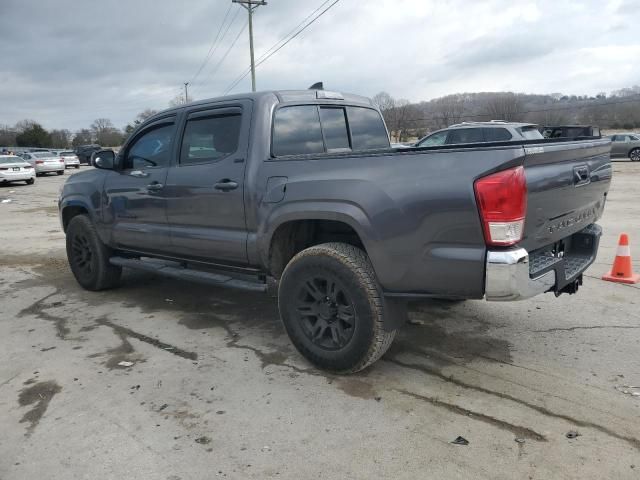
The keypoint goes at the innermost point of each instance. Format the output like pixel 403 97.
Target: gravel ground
pixel 215 389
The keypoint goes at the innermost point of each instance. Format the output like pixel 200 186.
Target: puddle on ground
pixel 39 395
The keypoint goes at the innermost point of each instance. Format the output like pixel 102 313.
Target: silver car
pixel 70 158
pixel 626 145
pixel 15 169
pixel 44 162
pixel 480 132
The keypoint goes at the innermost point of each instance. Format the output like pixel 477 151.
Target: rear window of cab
pixel 318 129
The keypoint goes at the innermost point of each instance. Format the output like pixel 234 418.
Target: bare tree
pixel 60 138
pixel 448 110
pixel 505 106
pixel 105 133
pixel 83 137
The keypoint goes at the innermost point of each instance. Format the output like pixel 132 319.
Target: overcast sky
pixel 67 62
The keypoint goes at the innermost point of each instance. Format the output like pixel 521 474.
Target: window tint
pixel 334 127
pixel 367 129
pixel 296 131
pixel 152 149
pixel 496 135
pixel 210 138
pixel 434 140
pixel 465 135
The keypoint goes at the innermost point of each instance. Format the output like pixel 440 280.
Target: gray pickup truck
pixel 300 193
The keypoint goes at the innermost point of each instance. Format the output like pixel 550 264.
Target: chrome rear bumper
pixel 507 276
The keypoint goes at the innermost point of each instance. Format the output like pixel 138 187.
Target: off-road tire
pixel 83 243
pixel 353 273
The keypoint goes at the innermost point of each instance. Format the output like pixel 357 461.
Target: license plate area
pixel 16 169
pixel 569 257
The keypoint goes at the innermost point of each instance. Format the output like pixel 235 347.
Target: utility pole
pixel 186 92
pixel 250 6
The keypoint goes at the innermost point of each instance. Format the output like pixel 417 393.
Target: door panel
pixel 135 195
pixel 205 204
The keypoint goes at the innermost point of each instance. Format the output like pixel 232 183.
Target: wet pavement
pixel 173 380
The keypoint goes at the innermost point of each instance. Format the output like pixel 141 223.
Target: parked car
pixel 84 152
pixel 480 132
pixel 570 131
pixel 44 162
pixel 70 158
pixel 16 169
pixel 299 192
pixel 626 145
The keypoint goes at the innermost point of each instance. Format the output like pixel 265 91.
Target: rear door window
pixel 367 129
pixel 296 131
pixel 465 135
pixel 210 138
pixel 334 128
pixel 496 135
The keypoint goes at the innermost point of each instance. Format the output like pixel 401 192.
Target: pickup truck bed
pixel 362 227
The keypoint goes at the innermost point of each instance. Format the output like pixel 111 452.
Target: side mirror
pixel 104 159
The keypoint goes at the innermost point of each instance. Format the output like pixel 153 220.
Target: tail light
pixel 26 166
pixel 39 162
pixel 502 202
pixel 4 168
pixel 61 160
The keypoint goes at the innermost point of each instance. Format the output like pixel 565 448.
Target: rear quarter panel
pixel 415 211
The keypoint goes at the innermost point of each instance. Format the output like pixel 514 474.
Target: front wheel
pixel 30 181
pixel 634 155
pixel 89 257
pixel 332 308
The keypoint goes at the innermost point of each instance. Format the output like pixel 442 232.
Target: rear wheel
pixel 332 308
pixel 30 181
pixel 77 166
pixel 89 257
pixel 60 172
pixel 634 155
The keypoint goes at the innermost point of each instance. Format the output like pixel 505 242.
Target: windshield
pixel 11 160
pixel 42 154
pixel 67 154
pixel 530 133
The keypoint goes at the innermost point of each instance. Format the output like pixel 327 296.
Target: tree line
pixel 30 133
pixel 619 109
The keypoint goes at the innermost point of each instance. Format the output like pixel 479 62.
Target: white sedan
pixel 45 162
pixel 15 169
pixel 70 158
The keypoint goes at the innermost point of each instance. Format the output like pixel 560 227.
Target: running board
pixel 179 271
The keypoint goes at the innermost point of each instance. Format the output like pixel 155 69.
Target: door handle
pixel 138 174
pixel 155 187
pixel 226 185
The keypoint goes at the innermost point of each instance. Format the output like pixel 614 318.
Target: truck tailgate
pixel 567 185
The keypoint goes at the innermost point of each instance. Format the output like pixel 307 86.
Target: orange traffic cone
pixel 622 270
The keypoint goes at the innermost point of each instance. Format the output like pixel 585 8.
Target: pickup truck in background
pixel 299 193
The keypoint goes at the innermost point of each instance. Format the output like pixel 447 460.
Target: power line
pixel 224 33
pixel 215 69
pixel 266 57
pixel 211 48
pixel 246 71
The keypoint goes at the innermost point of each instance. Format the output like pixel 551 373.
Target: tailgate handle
pixel 581 175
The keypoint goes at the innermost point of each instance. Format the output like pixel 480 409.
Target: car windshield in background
pixel 67 154
pixel 531 133
pixel 42 154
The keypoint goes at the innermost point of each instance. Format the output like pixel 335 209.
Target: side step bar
pixel 179 271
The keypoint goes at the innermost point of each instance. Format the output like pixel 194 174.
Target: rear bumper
pixel 51 167
pixel 17 176
pixel 516 274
